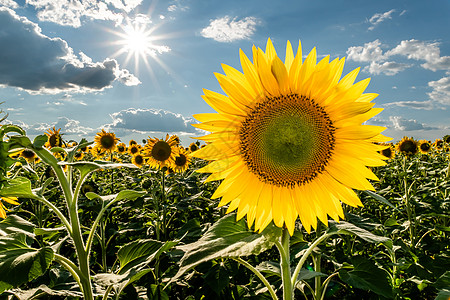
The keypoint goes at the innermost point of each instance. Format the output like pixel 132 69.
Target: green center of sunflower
pixel 161 151
pixel 287 140
pixel 107 142
pixel 180 161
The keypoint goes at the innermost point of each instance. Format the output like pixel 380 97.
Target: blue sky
pixel 73 64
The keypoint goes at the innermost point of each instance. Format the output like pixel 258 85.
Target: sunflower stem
pixel 283 248
pixel 163 201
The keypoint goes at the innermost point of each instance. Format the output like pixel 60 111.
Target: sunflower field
pixel 288 196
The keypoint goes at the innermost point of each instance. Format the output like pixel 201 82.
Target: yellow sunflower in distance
pixel 407 146
pixel 182 160
pixel 54 138
pixel 160 153
pixel 288 139
pixel 106 141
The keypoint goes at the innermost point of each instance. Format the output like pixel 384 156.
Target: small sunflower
pixel 446 138
pixel 97 152
pixel 138 160
pixel 134 149
pixel 389 151
pixel 438 144
pixel 54 138
pixel 29 155
pixel 424 146
pixel 407 146
pixel 288 139
pixel 182 160
pixel 193 147
pixel 10 200
pixel 160 153
pixel 132 142
pixel 106 141
pixel 121 148
pixel 79 155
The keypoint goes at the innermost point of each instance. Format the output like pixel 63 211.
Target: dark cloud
pixel 34 62
pixel 155 120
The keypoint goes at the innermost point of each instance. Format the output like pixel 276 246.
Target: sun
pixel 137 40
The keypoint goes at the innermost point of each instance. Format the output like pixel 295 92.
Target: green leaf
pixel 136 252
pixel 443 281
pixel 367 276
pixel 156 292
pixel 19 263
pixel 217 278
pixel 86 167
pixel 15 224
pixel 443 295
pixel 18 187
pixel 110 199
pixel 226 238
pixel 348 228
pixel 40 141
pixel 381 199
pixel 10 128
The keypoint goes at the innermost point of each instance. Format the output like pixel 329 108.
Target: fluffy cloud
pixel 388 68
pixel 369 52
pixel 400 123
pixel 228 30
pixel 37 63
pixel 410 49
pixel 71 12
pixel 150 120
pixel 441 90
pixel 9 3
pixel 380 17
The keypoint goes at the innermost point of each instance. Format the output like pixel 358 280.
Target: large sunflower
pixel 288 139
pixel 54 138
pixel 160 153
pixel 106 141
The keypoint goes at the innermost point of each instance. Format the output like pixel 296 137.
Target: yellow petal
pixel 289 56
pixel 281 75
pixel 265 75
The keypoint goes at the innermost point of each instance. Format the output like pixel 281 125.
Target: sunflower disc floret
pixel 288 139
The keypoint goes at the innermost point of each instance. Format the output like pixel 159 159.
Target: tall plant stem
pixel 285 264
pixel 163 201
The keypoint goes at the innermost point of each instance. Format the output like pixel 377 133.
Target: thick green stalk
pixel 163 201
pixel 285 264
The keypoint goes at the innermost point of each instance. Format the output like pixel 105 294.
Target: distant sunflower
pixel 182 160
pixel 407 146
pixel 97 152
pixel 138 160
pixel 134 149
pixel 160 153
pixel 79 155
pixel 106 141
pixel 193 147
pixel 424 146
pixel 132 142
pixel 121 148
pixel 54 138
pixel 389 151
pixel 446 138
pixel 288 139
pixel 10 200
pixel 29 155
pixel 438 144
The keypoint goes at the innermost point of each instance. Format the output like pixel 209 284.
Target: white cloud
pixel 71 12
pixel 380 17
pixel 388 68
pixel 400 123
pixel 441 90
pixel 422 105
pixel 369 52
pixel 420 50
pixel 68 127
pixel 228 30
pixel 38 64
pixel 9 3
pixel 150 120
